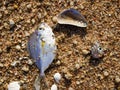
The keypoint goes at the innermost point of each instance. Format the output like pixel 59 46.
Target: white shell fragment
pixel 42 47
pixel 54 87
pixel 72 17
pixel 37 83
pixel 57 77
pixel 14 86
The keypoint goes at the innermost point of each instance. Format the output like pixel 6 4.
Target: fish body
pixel 42 47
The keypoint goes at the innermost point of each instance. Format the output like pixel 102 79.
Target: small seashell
pixel 14 86
pixel 96 51
pixel 57 77
pixel 72 17
pixel 54 87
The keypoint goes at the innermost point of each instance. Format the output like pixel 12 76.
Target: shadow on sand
pixel 71 30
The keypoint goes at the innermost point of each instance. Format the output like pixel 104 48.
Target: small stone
pixel 77 66
pixel 15 6
pixel 68 76
pixel 58 62
pixel 75 42
pixel 85 52
pixel 70 88
pixel 39 15
pixel 0 15
pixel 26 69
pixel 29 6
pixel 18 47
pixel 117 79
pixel 6 25
pixel 54 19
pixel 1 65
pixel 69 52
pixel 28 21
pixel 77 82
pixel 71 3
pixel 30 62
pixel 54 87
pixel 57 77
pixel 26 34
pixel 6 12
pixel 109 15
pixel 11 22
pixel 1 27
pixel 33 21
pixel 14 86
pixel 105 73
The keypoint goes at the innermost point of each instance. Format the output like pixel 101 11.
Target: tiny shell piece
pixel 57 77
pixel 54 87
pixel 14 86
pixel 72 17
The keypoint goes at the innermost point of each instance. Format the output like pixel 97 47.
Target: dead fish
pixel 42 47
pixel 72 17
pixel 96 51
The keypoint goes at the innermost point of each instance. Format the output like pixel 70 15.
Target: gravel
pixel 73 43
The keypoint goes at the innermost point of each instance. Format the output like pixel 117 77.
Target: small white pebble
pixel 105 73
pixel 54 19
pixel 33 21
pixel 75 42
pixel 117 79
pixel 11 22
pixel 29 6
pixel 57 77
pixel 14 86
pixel 18 47
pixel 70 88
pixel 77 82
pixel 1 65
pixel 54 87
pixel 77 66
pixel 30 62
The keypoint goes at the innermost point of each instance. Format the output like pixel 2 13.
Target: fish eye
pixel 40 28
pixel 100 49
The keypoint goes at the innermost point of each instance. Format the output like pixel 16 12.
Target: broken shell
pixel 54 87
pixel 14 86
pixel 72 17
